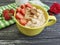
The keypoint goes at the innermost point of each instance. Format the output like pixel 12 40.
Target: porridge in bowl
pixel 30 16
pixel 31 19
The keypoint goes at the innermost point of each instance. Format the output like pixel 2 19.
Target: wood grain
pixel 11 35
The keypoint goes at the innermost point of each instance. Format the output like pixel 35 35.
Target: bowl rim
pixel 34 27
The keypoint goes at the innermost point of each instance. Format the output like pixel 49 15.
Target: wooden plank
pixel 50 35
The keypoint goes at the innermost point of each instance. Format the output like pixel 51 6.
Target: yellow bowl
pixel 34 31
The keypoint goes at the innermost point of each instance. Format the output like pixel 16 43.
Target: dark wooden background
pixel 11 35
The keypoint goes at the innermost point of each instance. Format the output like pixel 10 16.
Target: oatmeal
pixel 35 16
pixel 30 16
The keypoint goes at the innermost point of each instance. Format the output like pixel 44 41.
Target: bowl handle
pixel 52 20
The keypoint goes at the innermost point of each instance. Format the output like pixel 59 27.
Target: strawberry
pixel 11 11
pixel 6 14
pixel 22 11
pixel 23 21
pixel 18 9
pixel 23 6
pixel 5 11
pixel 55 8
pixel 28 5
pixel 7 17
pixel 19 16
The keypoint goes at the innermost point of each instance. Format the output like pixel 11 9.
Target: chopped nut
pixel 33 11
pixel 39 11
pixel 35 16
pixel 34 7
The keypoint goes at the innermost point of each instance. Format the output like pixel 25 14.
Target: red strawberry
pixel 28 5
pixel 22 11
pixel 7 17
pixel 23 21
pixel 19 16
pixel 12 11
pixel 55 8
pixel 23 6
pixel 5 11
pixel 18 9
pixel 57 5
pixel 6 14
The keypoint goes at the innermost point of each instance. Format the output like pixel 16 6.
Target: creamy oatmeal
pixel 35 17
pixel 29 16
